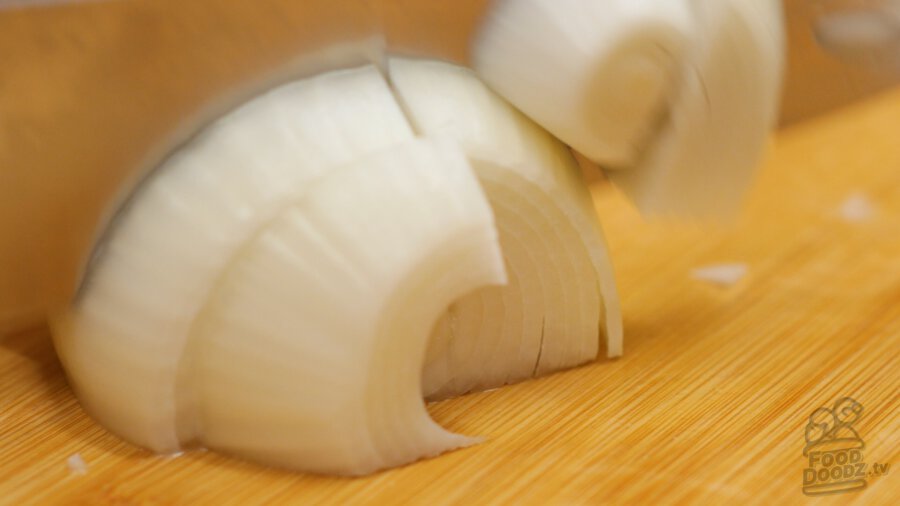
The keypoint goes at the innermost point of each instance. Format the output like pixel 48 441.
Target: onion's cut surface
pixel 561 286
pixel 596 74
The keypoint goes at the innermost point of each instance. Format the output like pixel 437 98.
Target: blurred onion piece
pixel 676 97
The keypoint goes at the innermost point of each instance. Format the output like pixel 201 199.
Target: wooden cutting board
pixel 709 402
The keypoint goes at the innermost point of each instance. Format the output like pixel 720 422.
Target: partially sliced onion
pixel 123 340
pixel 561 283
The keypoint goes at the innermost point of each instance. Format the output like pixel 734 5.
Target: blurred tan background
pixel 818 80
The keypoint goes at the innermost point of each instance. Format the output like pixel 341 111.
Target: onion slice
pixel 720 119
pixel 561 281
pixel 162 256
pixel 595 74
pixel 309 354
pixel 685 130
pixel 279 288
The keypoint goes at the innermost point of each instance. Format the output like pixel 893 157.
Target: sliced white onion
pixel 163 255
pixel 278 289
pixel 550 314
pixel 597 74
pixel 309 354
pixel 720 119
pixel 699 124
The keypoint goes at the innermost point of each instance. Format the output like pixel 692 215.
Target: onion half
pixel 292 282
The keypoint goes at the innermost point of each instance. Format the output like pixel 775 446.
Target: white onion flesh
pixel 721 117
pixel 279 288
pixel 155 271
pixel 328 312
pixel 724 275
pixel 595 74
pixel 856 208
pixel 548 317
pixel 689 126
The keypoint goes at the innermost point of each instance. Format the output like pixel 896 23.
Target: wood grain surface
pixel 708 404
